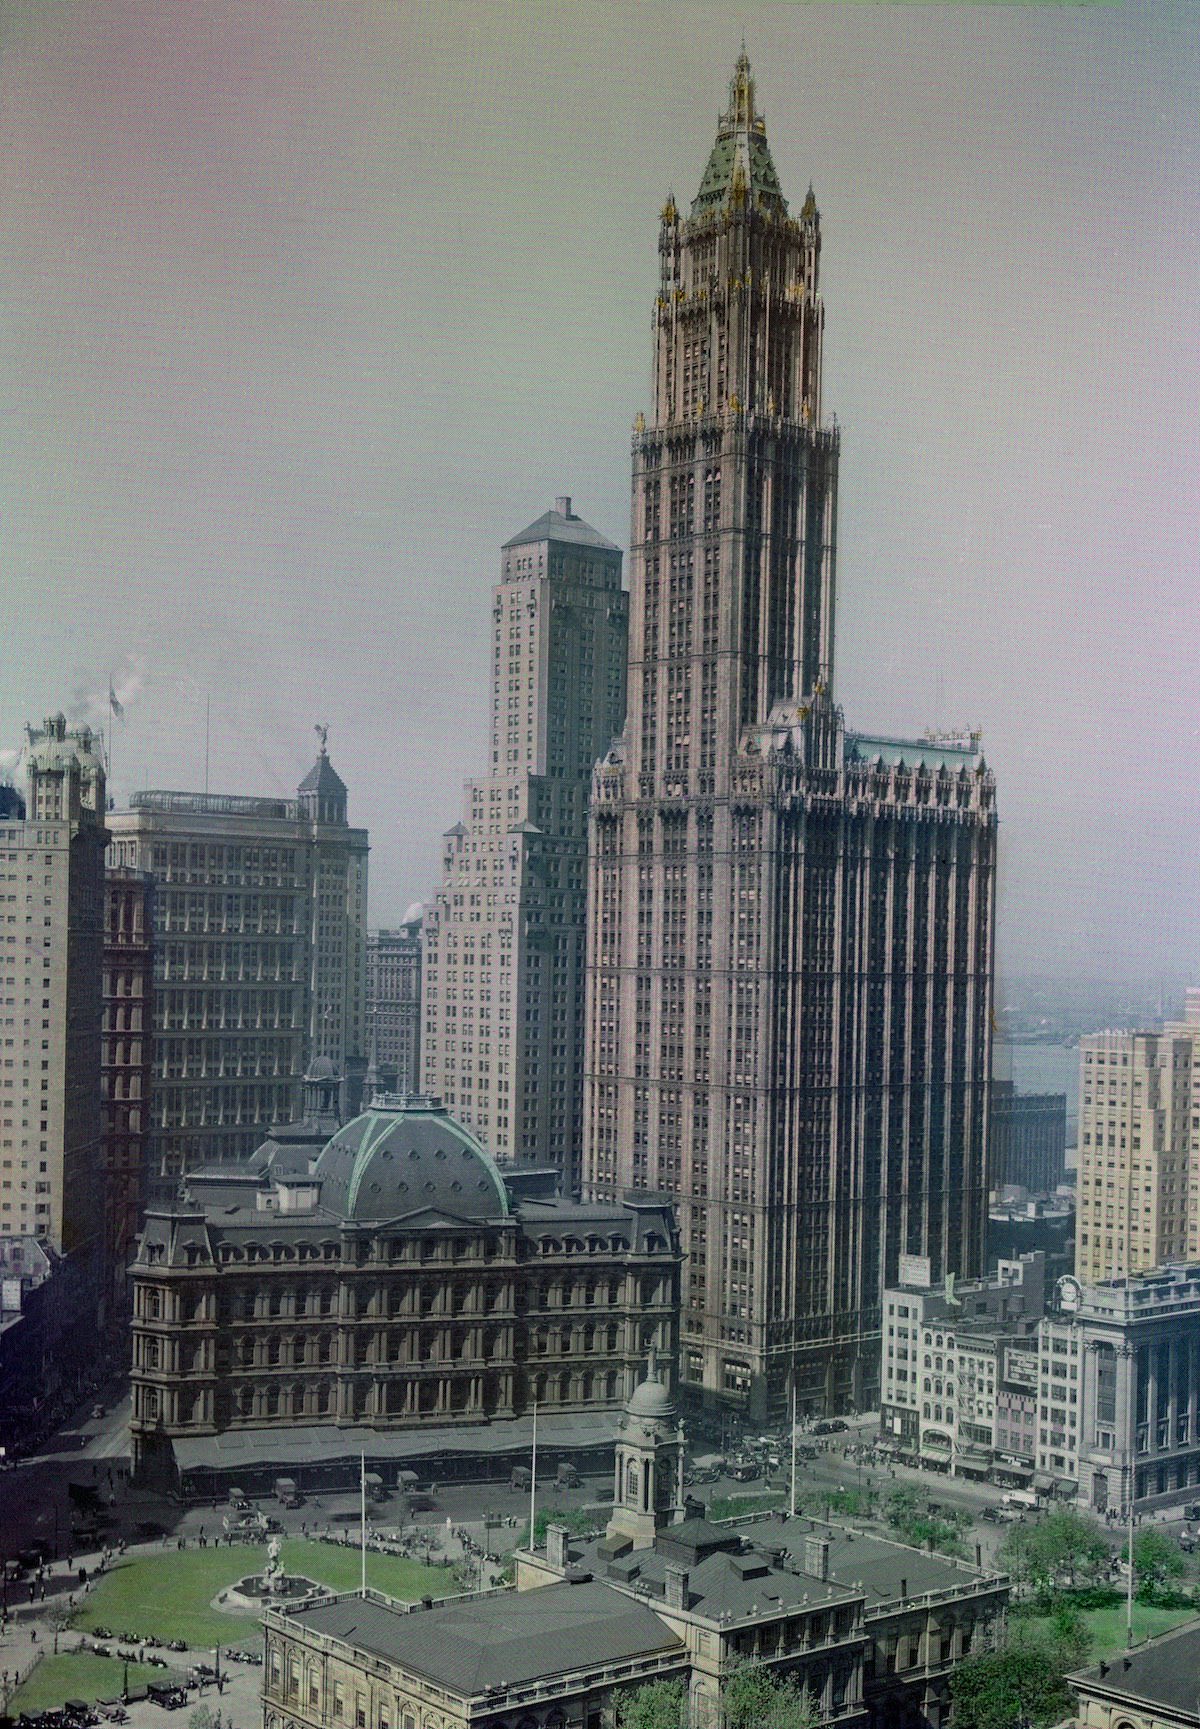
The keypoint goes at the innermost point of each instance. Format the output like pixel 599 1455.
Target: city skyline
pixel 260 292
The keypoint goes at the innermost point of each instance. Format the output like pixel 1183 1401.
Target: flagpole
pixel 207 719
pixel 362 1492
pixel 793 1506
pixel 533 1482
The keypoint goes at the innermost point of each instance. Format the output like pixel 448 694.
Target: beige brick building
pixel 51 944
pixel 1136 1150
pixel 504 934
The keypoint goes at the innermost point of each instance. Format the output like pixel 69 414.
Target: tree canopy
pixel 1064 1548
pixel 657 1705
pixel 753 1697
pixel 1022 1680
pixel 1157 1563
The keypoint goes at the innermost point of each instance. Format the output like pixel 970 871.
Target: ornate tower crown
pixel 740 168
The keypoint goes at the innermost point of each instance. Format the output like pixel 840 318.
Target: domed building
pixel 388 1291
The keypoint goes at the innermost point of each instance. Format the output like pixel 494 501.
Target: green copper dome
pixel 408 1158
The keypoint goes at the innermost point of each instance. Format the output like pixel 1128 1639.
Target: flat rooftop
pixel 508 1638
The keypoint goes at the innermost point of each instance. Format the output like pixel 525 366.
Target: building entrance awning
pixel 1019 1468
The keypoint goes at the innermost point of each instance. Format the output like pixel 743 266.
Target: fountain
pixel 269 1589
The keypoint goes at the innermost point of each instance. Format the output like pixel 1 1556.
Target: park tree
pixel 657 1705
pixel 60 1618
pixel 1021 1682
pixel 1157 1564
pixel 1069 1635
pixel 1063 1548
pixel 755 1697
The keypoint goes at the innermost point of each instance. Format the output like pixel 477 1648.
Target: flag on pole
pixel 118 708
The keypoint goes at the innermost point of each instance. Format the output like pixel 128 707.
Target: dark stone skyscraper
pixel 790 925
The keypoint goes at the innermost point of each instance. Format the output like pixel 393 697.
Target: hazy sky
pixel 305 308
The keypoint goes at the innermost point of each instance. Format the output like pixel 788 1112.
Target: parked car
pixel 745 1471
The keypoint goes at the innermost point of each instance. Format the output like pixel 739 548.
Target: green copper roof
pixel 740 168
pixel 407 1157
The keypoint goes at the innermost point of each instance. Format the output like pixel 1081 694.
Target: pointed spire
pixel 740 171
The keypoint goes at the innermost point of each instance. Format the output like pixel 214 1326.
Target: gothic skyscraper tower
pixel 790 927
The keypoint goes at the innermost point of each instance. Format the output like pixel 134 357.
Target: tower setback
pixel 504 934
pixel 790 925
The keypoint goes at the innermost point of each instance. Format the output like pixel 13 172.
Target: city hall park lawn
pixel 168 1593
pixel 1107 1626
pixel 79 1675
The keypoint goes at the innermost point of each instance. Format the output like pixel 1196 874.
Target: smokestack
pixel 675 1588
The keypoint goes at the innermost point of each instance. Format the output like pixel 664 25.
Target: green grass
pixel 169 1594
pixel 73 1675
pixel 1107 1626
pixel 737 1506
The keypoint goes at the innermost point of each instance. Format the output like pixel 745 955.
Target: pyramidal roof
pixel 740 166
pixel 322 777
pixel 561 524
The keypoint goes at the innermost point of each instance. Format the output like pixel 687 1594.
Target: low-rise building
pixel 49 1338
pixel 1119 1389
pixel 870 1629
pixel 1153 1687
pixel 1016 1408
pixel 944 1362
pixel 315 1304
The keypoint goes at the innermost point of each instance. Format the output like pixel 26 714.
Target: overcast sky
pixel 305 308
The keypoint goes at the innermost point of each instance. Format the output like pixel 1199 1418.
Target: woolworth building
pixel 790 926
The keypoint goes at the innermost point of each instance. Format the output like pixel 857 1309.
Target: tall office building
pixel 126 1065
pixel 790 925
pixel 394 1004
pixel 52 902
pixel 504 935
pixel 1135 1151
pixel 260 920
pixel 1027 1139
